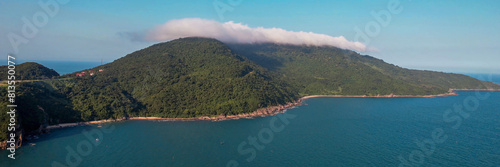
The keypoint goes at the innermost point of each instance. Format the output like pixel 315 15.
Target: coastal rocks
pixel 61 126
pixel 3 145
pixel 65 125
pixel 18 141
pixel 268 111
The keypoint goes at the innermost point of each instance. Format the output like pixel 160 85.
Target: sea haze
pixel 66 67
pixel 325 132
pixel 487 77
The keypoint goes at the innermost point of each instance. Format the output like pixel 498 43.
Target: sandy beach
pixel 65 125
pixel 451 92
pixel 382 96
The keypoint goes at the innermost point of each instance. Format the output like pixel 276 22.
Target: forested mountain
pixel 333 71
pixel 193 77
pixel 29 71
pixel 182 78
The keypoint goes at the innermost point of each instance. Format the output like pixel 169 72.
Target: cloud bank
pixel 231 32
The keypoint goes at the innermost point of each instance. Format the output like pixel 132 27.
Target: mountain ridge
pixel 319 66
pixel 201 77
pixel 30 71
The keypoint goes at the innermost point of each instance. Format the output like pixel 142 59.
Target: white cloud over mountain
pixel 231 32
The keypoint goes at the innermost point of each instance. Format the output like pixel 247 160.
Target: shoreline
pixel 451 92
pixel 65 125
pixel 262 112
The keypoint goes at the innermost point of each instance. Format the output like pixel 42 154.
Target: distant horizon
pixel 457 70
pixel 430 35
pixel 250 83
pixel 45 62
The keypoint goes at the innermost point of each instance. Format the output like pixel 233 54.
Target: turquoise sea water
pixel 487 77
pixel 325 132
pixel 64 67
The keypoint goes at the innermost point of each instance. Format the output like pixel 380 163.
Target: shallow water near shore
pixel 325 132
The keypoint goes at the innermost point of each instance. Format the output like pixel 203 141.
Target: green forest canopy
pixel 193 77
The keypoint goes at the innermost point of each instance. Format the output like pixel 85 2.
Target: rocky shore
pixel 65 125
pixel 3 145
pixel 263 112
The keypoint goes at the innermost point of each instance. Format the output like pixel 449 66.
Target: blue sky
pixel 452 36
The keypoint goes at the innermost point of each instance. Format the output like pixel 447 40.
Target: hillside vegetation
pixel 334 71
pixel 194 77
pixel 29 71
pixel 183 78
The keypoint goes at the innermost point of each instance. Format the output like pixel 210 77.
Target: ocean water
pixel 458 131
pixel 65 67
pixel 325 132
pixel 487 77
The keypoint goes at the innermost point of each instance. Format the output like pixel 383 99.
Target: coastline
pixel 263 112
pixel 451 92
pixel 65 125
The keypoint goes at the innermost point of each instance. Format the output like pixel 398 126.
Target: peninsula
pixel 205 79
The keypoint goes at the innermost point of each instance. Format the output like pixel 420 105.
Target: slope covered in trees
pixel 29 71
pixel 334 71
pixel 182 78
pixel 193 77
pixel 38 104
